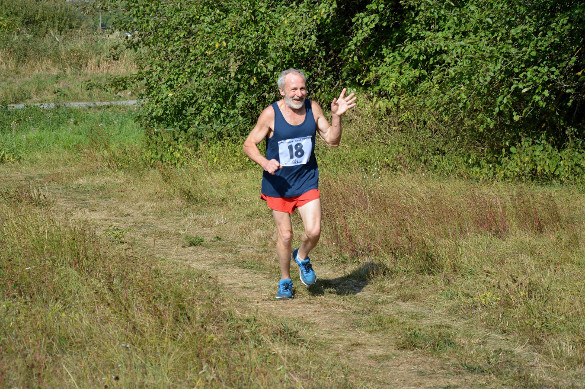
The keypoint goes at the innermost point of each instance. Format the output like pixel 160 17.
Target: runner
pixel 291 177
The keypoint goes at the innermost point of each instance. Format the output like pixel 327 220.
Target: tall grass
pixel 75 67
pixel 511 253
pixel 80 51
pixel 76 311
pixel 508 253
pixel 507 258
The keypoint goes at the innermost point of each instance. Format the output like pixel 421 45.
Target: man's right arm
pixel 260 131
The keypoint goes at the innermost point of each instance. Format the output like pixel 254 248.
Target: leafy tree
pixel 374 26
pixel 209 65
pixel 485 74
pixel 490 72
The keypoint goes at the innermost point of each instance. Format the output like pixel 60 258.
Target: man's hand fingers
pixel 343 103
pixel 273 166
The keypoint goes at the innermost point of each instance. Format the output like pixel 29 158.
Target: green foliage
pixel 489 72
pixel 467 78
pixel 6 156
pixel 169 146
pixel 373 28
pixel 193 241
pixel 211 65
pixel 538 159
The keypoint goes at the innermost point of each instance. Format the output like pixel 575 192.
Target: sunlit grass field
pixel 77 309
pixel 76 67
pixel 483 275
pixel 504 259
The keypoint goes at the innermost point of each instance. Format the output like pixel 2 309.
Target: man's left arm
pixel 332 133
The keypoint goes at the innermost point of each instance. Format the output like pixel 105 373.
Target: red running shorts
pixel 289 204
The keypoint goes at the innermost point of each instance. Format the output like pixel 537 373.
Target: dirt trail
pixel 327 313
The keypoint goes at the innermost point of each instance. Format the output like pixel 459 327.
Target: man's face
pixel 294 91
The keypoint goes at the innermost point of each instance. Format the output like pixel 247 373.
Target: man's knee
pixel 313 233
pixel 285 236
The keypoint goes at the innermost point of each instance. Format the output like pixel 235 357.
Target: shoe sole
pixel 304 283
pixel 301 278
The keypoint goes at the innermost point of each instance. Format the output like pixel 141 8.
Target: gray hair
pixel 285 73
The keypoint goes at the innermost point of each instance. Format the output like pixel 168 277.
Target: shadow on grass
pixel 352 283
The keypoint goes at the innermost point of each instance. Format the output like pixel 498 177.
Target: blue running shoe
pixel 285 289
pixel 308 276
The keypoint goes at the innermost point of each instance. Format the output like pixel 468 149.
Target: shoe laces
pixel 307 268
pixel 285 287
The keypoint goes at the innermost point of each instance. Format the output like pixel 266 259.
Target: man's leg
pixel 284 242
pixel 311 216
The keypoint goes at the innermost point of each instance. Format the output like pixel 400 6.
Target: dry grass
pixel 509 255
pixel 78 311
pixel 69 70
pixel 483 275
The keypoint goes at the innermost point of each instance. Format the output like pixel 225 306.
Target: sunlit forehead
pixel 295 82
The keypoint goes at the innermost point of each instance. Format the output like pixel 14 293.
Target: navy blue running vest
pixel 294 148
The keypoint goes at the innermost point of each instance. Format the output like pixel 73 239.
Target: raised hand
pixel 342 103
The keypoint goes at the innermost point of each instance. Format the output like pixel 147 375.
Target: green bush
pixel 211 66
pixel 468 77
pixel 488 72
pixel 539 160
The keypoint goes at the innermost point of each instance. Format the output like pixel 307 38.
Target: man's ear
pixel 281 92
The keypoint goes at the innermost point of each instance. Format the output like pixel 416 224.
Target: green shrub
pixel 488 72
pixel 539 160
pixel 466 79
pixel 211 65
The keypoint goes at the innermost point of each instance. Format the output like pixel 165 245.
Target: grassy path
pixel 328 318
pixel 333 313
pixel 347 313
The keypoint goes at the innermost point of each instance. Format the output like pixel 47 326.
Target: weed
pixel 437 338
pixel 117 234
pixel 193 241
pixel 381 322
pixel 29 195
pixel 5 156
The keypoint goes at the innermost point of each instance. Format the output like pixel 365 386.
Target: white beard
pixel 294 104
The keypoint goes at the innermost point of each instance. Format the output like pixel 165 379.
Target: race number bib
pixel 293 152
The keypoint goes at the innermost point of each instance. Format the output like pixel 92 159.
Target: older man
pixel 291 177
